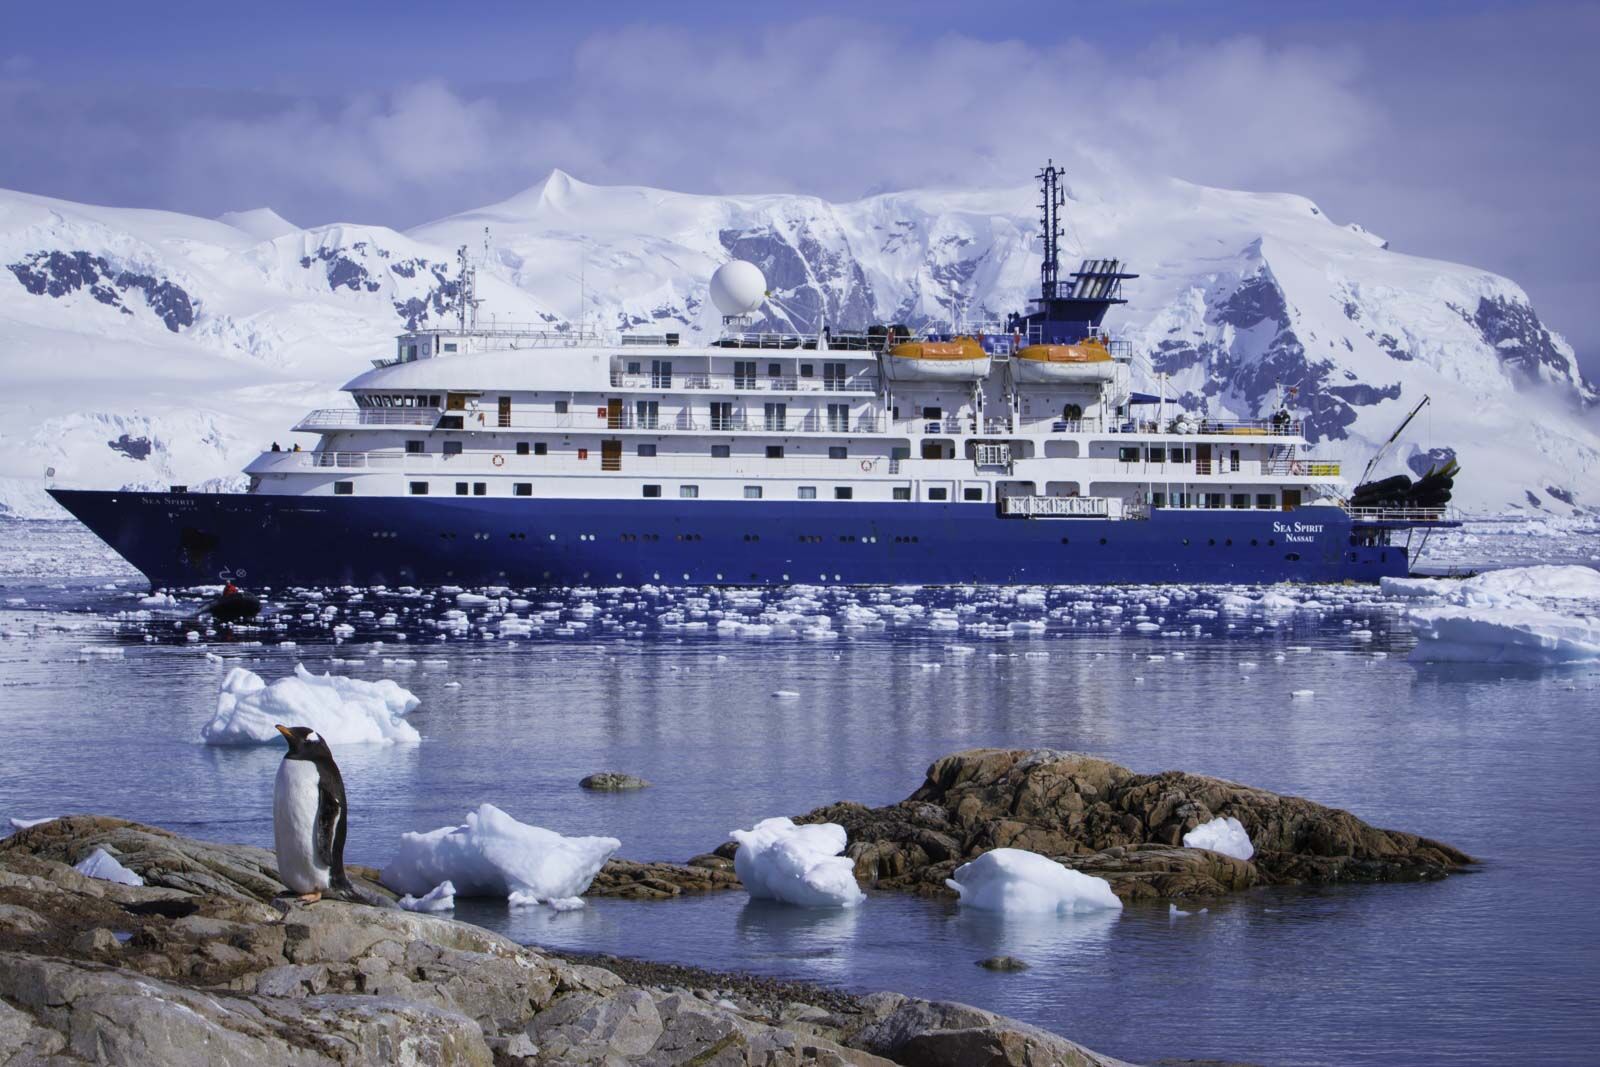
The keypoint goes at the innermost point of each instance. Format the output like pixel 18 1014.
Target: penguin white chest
pixel 294 826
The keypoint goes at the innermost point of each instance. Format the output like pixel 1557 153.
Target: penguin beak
pixel 284 730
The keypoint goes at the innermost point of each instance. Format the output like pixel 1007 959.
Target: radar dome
pixel 737 288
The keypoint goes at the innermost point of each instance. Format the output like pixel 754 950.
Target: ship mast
pixel 1051 199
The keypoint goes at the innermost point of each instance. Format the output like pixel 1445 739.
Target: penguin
pixel 309 817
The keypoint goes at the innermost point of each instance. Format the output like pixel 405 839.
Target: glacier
pixel 147 348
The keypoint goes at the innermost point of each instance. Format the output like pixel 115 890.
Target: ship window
pixel 561 407
pixel 1216 500
pixel 774 370
pixel 433 400
pixel 938 494
pixel 522 489
pixel 1264 501
pixel 414 448
pixel 449 422
pixel 688 492
pixel 647 450
pixel 452 448
pixel 808 492
pixel 774 451
pixel 972 494
pixel 1158 455
pixel 480 488
pixel 1128 454
pixel 933 413
pixel 843 492
pixel 1181 455
pixel 807 370
pixel 652 491
pixel 461 489
pixel 1241 500
pixel 902 492
pixel 419 488
pixel 1233 459
pixel 540 448
pixel 449 346
pixel 721 452
pixel 1158 500
pixel 344 488
pixel 838 452
pixel 752 492
pixel 634 366
pixel 522 448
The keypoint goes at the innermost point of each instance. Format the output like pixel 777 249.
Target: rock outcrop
pixel 1097 817
pixel 210 962
pixel 613 782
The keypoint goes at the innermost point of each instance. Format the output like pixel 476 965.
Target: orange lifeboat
pixel 1085 362
pixel 959 360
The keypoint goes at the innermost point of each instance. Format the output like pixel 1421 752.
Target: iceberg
pixel 104 866
pixel 494 855
pixel 1224 834
pixel 343 710
pixel 799 865
pixel 1014 881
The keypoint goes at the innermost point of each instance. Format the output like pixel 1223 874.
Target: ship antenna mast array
pixel 467 293
pixel 1050 202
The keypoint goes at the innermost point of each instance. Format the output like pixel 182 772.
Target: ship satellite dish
pixel 738 288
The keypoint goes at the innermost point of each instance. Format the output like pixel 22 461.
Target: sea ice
pixel 102 865
pixel 1540 614
pixel 23 824
pixel 1017 882
pixel 441 897
pixel 492 854
pixel 342 710
pixel 1224 834
pixel 798 865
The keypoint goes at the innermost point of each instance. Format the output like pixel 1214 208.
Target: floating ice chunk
pixel 798 865
pixel 343 710
pixel 1301 694
pixel 492 854
pixel 785 694
pixel 441 897
pixel 158 600
pixel 23 824
pixel 1504 635
pixel 1224 834
pixel 1015 881
pixel 102 865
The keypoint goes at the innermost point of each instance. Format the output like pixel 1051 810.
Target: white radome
pixel 738 287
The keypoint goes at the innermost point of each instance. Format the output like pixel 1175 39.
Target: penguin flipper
pixel 329 850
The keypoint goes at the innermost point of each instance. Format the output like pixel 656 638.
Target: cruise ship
pixel 1016 451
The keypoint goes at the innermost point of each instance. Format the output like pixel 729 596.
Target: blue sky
pixel 1460 130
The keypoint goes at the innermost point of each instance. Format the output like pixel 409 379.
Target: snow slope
pixel 143 348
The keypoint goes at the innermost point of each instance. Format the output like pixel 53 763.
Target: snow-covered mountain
pixel 144 348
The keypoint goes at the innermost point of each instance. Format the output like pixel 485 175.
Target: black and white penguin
pixel 309 816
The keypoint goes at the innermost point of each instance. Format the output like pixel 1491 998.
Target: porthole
pixel 1254 542
pixel 1211 541
pixel 1292 557
pixel 1272 542
pixel 1185 540
pixel 1228 543
pixel 1102 540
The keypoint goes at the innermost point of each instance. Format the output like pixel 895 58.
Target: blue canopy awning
pixel 1143 398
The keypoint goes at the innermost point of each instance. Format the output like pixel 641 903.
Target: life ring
pixel 868 464
pixel 498 460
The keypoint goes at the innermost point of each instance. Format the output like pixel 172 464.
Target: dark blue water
pixel 1496 965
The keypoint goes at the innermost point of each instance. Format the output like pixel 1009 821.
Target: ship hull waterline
pixel 184 539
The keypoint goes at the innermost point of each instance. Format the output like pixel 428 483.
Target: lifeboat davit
pixel 960 360
pixel 1087 362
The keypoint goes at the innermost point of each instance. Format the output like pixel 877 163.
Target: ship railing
pixel 335 418
pixel 683 420
pixel 1412 515
pixel 1225 427
pixel 1058 507
pixel 1301 467
pixel 743 383
pixel 487 462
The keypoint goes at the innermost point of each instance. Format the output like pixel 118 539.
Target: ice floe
pixel 1017 882
pixel 343 710
pixel 1540 615
pixel 441 897
pixel 1224 834
pixel 799 865
pixel 494 855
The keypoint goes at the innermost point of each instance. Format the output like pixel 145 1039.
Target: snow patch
pixel 104 866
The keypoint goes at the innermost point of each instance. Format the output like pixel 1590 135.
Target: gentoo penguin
pixel 308 816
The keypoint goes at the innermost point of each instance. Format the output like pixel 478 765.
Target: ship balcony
pixel 1300 470
pixel 485 463
pixel 355 418
pixel 732 383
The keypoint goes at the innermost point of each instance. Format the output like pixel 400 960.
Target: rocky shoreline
pixel 209 962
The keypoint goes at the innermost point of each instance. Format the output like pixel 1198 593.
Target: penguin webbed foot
pixel 310 898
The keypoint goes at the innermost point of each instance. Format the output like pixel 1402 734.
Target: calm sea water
pixel 1495 965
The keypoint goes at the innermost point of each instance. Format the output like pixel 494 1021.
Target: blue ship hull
pixel 182 539
pixel 276 541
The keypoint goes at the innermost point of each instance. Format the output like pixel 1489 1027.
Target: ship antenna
pixel 1051 199
pixel 467 296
